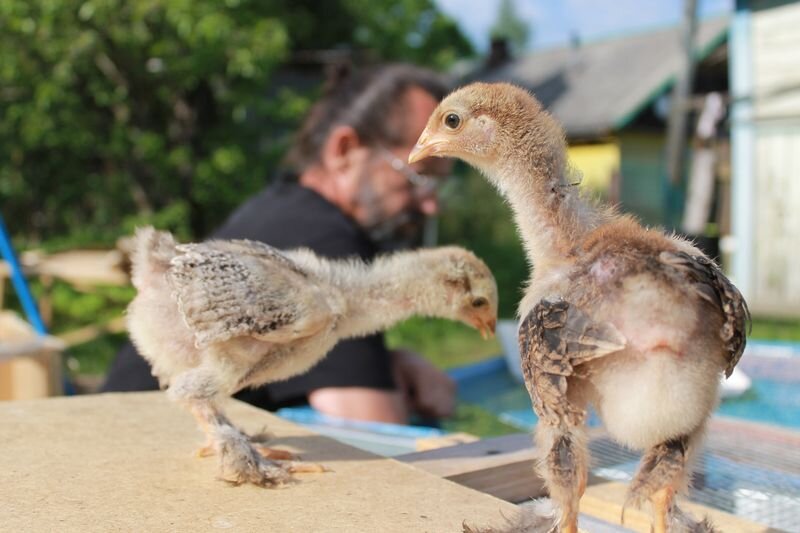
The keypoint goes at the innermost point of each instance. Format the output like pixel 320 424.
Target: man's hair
pixel 366 99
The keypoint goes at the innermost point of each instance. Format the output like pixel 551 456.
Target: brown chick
pixel 634 322
pixel 213 318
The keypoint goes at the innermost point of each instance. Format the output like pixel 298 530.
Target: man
pixel 351 191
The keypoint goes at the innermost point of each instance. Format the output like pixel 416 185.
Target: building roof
pixel 598 87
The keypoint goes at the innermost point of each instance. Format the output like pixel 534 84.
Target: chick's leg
pixel 662 472
pixel 259 442
pixel 554 338
pixel 561 437
pixel 198 390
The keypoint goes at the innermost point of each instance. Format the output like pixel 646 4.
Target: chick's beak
pixel 486 327
pixel 426 146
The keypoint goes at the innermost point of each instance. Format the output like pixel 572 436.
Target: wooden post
pixel 676 124
pixel 30 364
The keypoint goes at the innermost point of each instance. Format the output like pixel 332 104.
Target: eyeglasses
pixel 424 185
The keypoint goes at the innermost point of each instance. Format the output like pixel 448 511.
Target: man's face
pixel 392 197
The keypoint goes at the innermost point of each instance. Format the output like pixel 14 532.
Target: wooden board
pixel 125 462
pixel 502 466
pixel 84 268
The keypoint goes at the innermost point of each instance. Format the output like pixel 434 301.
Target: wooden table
pixel 125 462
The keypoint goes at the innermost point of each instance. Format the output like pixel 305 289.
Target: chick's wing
pixel 227 289
pixel 709 283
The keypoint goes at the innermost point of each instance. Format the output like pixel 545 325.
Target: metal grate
pixel 747 470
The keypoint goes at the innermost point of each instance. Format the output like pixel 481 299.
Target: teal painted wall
pixel 642 190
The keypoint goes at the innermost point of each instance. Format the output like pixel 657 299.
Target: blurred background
pixel 120 113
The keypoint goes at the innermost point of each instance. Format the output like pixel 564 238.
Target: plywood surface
pixel 125 462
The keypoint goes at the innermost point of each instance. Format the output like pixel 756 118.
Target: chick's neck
pixel 547 205
pixel 388 291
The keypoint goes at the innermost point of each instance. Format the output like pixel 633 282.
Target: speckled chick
pixel 215 317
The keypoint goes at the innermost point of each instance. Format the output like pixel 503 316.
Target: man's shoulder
pixel 288 215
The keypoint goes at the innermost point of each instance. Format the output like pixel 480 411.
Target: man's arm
pixel 360 403
pixel 422 388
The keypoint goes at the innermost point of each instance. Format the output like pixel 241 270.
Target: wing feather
pixel 227 289
pixel 554 338
pixel 710 284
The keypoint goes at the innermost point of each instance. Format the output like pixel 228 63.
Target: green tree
pixel 168 110
pixel 508 26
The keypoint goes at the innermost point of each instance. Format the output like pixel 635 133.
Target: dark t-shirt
pixel 287 215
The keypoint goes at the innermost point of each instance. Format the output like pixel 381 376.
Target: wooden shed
pixel 765 135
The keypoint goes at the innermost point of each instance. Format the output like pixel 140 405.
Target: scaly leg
pixel 662 473
pixel 662 503
pixel 240 460
pixel 554 338
pixel 561 436
pixel 258 441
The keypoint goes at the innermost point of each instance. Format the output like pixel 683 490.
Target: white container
pixel 507 335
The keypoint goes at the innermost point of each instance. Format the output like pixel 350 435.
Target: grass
pixel 94 358
pixel 477 421
pixel 447 344
pixel 450 344
pixel 776 329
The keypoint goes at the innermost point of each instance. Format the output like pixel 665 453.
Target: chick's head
pixel 470 289
pixel 489 126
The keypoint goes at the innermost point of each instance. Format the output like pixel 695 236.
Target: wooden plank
pixel 92 331
pixel 78 267
pixel 85 267
pixel 464 458
pixel 30 348
pixel 502 466
pixel 126 462
pixel 451 439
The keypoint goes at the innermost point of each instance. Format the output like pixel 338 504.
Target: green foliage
pixel 115 107
pixel 411 30
pixel 447 344
pixel 780 329
pixel 509 26
pixel 73 308
pixel 477 421
pixel 94 358
pixel 119 113
pixel 114 112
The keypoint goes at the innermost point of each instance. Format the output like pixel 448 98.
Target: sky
pixel 552 21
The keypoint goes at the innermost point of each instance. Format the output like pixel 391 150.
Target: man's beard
pixel 399 231
pixel 405 230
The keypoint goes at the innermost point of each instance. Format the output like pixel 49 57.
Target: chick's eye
pixel 452 121
pixel 480 302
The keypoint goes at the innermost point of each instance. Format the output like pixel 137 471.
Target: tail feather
pixel 152 252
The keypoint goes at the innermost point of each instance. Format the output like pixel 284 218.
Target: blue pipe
pixel 20 284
